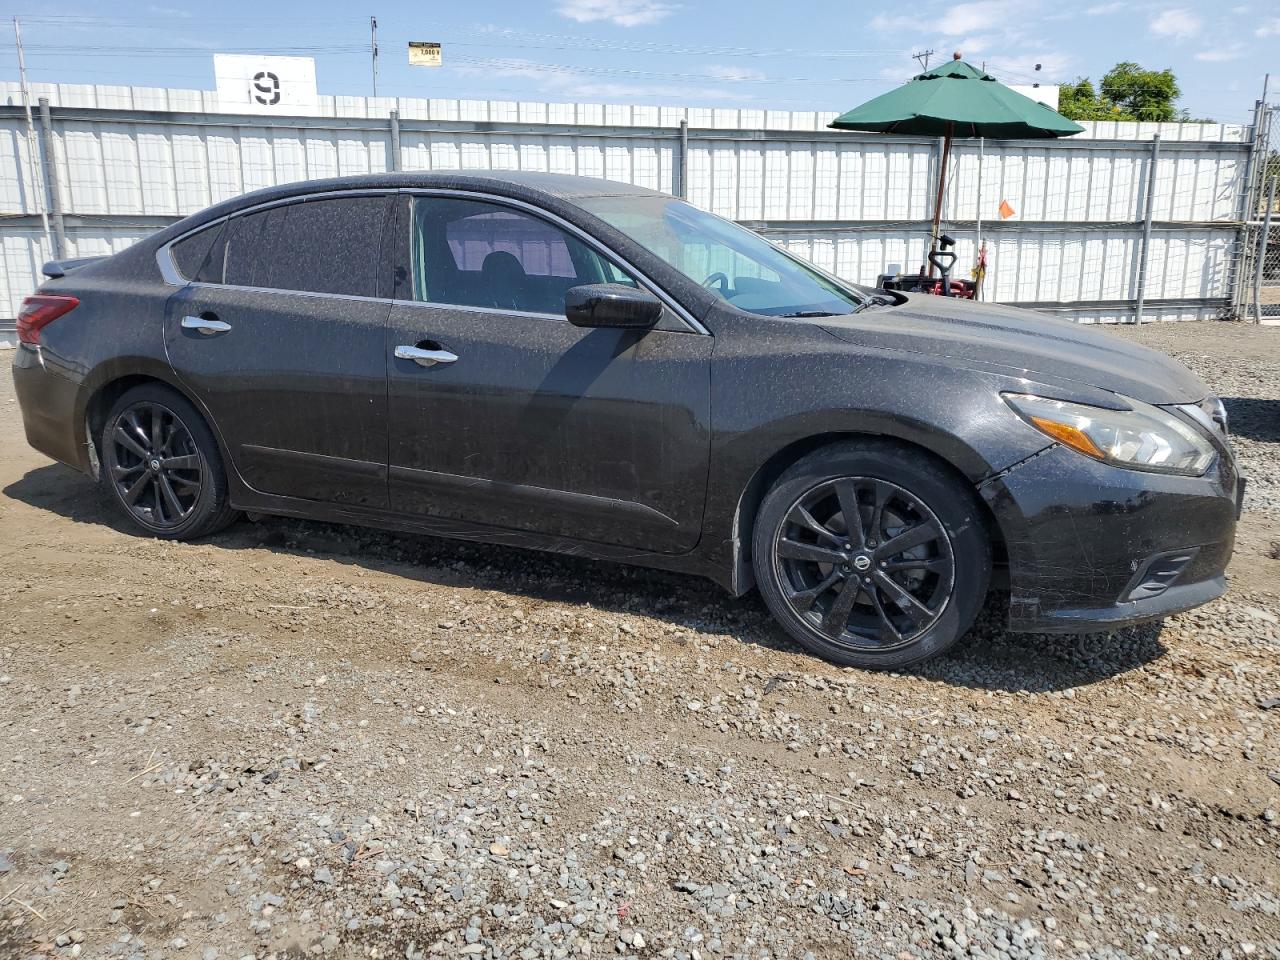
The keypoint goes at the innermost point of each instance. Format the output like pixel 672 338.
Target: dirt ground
pixel 299 739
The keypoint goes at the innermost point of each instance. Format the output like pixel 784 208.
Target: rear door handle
pixel 423 357
pixel 206 325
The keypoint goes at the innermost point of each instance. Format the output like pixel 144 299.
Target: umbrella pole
pixel 942 185
pixel 982 149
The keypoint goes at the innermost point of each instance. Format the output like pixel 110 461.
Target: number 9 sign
pixel 277 85
pixel 266 88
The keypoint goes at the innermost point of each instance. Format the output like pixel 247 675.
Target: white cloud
pixel 723 72
pixel 899 73
pixel 622 13
pixel 1221 54
pixel 975 17
pixel 1179 23
pixel 1269 29
pixel 650 91
pixel 575 85
pixel 971 46
pixel 889 23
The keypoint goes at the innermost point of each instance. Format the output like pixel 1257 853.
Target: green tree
pixel 1127 92
pixel 1080 101
pixel 1147 95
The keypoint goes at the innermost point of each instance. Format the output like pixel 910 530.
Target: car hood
pixel 993 337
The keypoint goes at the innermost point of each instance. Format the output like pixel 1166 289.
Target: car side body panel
pixel 297 384
pixel 115 333
pixel 597 434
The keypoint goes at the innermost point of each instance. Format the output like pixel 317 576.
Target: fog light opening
pixel 1158 574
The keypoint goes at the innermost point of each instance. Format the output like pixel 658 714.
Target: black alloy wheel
pixel 155 466
pixel 872 554
pixel 161 463
pixel 864 562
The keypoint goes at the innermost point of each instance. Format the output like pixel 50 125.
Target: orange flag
pixel 1006 210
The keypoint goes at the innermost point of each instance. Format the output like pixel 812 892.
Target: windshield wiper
pixel 874 301
pixel 810 313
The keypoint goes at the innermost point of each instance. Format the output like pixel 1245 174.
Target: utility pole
pixel 373 50
pixel 922 58
pixel 37 194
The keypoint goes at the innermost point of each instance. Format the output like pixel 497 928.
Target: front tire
pixel 162 466
pixel 901 584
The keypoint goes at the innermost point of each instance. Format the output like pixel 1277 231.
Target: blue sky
pixel 804 54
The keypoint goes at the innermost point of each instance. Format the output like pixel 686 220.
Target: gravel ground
pixel 298 739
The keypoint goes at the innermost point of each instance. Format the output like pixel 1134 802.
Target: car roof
pixel 555 184
pixel 547 189
pixel 509 182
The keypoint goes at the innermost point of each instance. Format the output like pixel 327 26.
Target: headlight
pixel 1144 438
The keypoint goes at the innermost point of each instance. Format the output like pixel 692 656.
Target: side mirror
pixel 611 305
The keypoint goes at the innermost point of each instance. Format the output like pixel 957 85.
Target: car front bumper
pixel 1082 538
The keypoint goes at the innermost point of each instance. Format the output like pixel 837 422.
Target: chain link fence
pixel 1260 265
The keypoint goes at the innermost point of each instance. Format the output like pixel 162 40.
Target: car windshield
pixel 731 261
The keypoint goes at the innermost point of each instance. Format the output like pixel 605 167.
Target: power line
pixel 60 50
pixel 524 40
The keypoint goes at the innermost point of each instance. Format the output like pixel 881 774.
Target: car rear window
pixel 191 252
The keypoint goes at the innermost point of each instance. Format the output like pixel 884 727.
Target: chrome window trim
pixel 289 293
pixel 170 274
pixel 465 308
pixel 470 308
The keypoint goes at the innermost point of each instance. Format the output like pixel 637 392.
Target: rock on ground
pixel 305 740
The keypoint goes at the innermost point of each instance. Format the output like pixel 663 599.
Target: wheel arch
pixel 111 382
pixel 774 465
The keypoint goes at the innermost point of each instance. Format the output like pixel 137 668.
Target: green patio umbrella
pixel 956 100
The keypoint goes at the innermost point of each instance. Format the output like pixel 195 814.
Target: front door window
pixel 473 253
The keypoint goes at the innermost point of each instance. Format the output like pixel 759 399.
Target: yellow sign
pixel 424 54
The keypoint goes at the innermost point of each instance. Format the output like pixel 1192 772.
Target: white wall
pixel 854 203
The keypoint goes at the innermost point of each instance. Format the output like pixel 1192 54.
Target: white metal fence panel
pixel 586 114
pixel 856 204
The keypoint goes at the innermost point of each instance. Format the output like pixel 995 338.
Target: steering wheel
pixel 718 278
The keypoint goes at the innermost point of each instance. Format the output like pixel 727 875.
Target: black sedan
pixel 592 368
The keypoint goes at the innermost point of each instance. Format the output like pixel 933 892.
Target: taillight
pixel 38 311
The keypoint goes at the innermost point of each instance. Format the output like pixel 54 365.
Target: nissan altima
pixel 587 367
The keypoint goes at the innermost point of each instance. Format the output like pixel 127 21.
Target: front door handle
pixel 424 357
pixel 206 325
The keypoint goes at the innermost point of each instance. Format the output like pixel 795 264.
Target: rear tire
pixel 162 467
pixel 901 585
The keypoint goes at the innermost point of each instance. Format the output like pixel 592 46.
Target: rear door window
pixel 245 250
pixel 329 245
pixel 326 246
